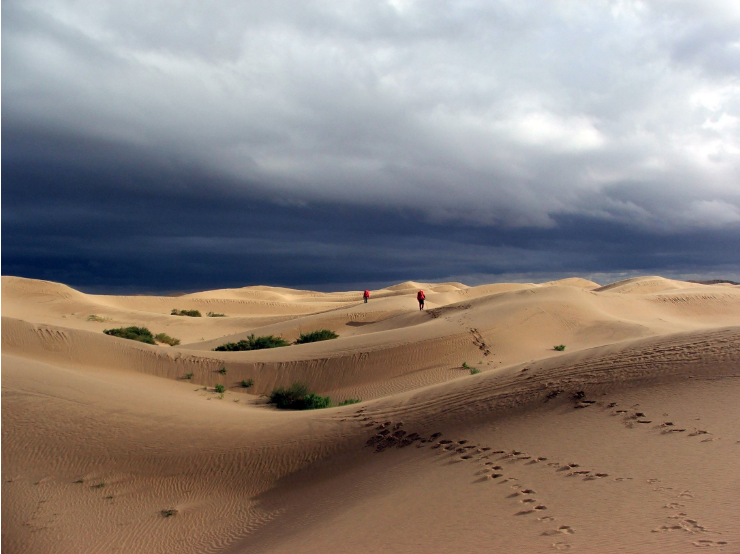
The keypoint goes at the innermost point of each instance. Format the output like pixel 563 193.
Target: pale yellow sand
pixel 653 442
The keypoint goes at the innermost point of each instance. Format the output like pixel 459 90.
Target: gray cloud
pixel 503 113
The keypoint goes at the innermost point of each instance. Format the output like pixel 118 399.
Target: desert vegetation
pixel 97 318
pixel 212 314
pixel 188 313
pixel 559 347
pixel 298 397
pixel 166 339
pixel 253 343
pixel 316 336
pixel 141 334
pixel 247 383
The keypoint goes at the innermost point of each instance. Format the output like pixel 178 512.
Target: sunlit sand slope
pixel 624 442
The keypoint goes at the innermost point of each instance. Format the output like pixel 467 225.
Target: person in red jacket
pixel 366 295
pixel 420 297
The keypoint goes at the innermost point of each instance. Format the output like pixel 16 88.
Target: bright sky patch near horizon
pixel 490 135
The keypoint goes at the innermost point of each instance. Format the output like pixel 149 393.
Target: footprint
pixel 698 432
pixel 546 518
pixel 563 529
pixel 707 543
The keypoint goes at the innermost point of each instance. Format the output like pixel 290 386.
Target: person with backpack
pixel 366 295
pixel 420 297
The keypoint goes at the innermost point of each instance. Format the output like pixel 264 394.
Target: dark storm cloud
pixel 314 142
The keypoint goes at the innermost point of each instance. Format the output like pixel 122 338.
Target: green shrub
pixel 189 313
pixel 99 485
pixel 97 318
pixel 166 339
pixel 247 383
pixel 297 397
pixel 222 371
pixel 189 376
pixel 474 371
pixel 211 314
pixel 316 336
pixel 465 365
pixel 142 334
pixel 559 347
pixel 349 401
pixel 253 343
pixel 220 388
pixel 169 513
pixel 314 402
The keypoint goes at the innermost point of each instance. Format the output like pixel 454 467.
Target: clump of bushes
pixel 297 397
pixel 316 336
pixel 220 388
pixel 466 366
pixel 97 318
pixel 166 339
pixel 222 371
pixel 142 334
pixel 247 383
pixel 211 314
pixel 253 343
pixel 189 376
pixel 169 513
pixel 349 401
pixel 559 347
pixel 189 313
pixel 474 371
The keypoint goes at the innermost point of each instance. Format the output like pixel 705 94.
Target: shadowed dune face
pixel 625 441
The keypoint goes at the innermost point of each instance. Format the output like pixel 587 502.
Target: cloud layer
pixel 503 118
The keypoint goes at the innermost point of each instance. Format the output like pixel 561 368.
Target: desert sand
pixel 627 441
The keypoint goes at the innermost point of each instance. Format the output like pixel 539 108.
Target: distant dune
pixel 474 433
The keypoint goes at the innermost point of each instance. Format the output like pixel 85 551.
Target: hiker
pixel 420 297
pixel 366 295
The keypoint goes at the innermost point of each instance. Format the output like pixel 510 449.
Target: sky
pixel 184 145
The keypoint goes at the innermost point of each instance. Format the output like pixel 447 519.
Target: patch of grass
pixel 349 401
pixel 222 371
pixel 253 343
pixel 474 371
pixel 559 347
pixel 166 339
pixel 169 512
pixel 466 366
pixel 211 314
pixel 141 334
pixel 247 383
pixel 297 397
pixel 316 336
pixel 97 318
pixel 220 388
pixel 189 376
pixel 189 313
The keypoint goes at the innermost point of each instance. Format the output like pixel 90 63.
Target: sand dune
pixel 624 442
